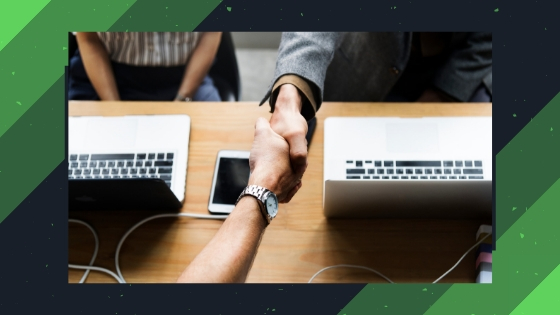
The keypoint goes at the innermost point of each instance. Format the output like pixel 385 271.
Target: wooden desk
pixel 300 241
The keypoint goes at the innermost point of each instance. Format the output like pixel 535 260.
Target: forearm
pixel 229 255
pixel 98 66
pixel 199 64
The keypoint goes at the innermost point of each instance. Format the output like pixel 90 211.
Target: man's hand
pixel 288 122
pixel 270 163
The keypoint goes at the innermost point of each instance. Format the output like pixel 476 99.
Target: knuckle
pixel 295 132
pixel 299 154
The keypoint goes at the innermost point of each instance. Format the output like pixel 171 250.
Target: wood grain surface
pixel 300 241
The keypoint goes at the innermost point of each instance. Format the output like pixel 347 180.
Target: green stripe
pixel 544 299
pixel 177 15
pixel 527 166
pixel 394 299
pixel 525 255
pixel 39 52
pixel 32 148
pixel 14 15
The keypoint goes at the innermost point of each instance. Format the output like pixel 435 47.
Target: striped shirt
pixel 158 49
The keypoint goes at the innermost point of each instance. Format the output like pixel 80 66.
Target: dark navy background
pixel 33 238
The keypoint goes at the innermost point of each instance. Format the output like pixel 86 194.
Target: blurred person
pixel 158 66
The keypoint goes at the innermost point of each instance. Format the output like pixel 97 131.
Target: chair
pixel 72 46
pixel 225 72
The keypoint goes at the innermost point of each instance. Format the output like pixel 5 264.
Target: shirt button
pixel 395 70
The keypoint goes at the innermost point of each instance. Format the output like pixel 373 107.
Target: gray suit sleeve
pixel 468 66
pixel 306 55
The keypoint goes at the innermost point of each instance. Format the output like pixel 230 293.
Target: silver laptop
pixel 129 147
pixel 408 167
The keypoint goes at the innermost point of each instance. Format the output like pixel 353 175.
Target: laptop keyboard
pixel 440 170
pixel 123 165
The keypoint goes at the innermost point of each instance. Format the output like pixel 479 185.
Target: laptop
pixel 431 167
pixel 127 162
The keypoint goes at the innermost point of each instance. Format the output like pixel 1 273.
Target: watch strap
pixel 183 98
pixel 258 193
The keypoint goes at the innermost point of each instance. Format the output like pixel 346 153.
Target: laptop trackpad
pixel 412 138
pixel 111 133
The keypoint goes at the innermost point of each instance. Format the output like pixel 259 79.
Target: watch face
pixel 272 205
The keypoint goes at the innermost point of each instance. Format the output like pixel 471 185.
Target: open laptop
pixel 408 167
pixel 127 162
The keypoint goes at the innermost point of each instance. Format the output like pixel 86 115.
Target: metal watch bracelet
pixel 184 99
pixel 256 192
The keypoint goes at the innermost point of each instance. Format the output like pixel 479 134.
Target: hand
pixel 270 164
pixel 288 122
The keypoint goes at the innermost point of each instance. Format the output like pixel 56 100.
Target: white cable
pixel 349 266
pixel 460 259
pixel 372 270
pixel 88 268
pixel 191 215
pixel 120 277
pixel 94 251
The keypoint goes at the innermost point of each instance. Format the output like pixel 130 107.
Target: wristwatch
pixel 267 200
pixel 184 99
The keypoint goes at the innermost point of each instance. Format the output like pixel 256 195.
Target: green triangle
pixel 519 265
pixel 15 15
pixel 544 298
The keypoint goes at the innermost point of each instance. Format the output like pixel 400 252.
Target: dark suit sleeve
pixel 468 66
pixel 308 56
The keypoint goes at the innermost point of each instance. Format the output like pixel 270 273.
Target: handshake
pixel 279 153
pixel 278 160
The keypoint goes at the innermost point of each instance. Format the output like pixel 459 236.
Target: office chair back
pixel 225 71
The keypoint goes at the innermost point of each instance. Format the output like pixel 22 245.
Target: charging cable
pixel 119 277
pixel 389 280
pixel 94 251
pixel 349 266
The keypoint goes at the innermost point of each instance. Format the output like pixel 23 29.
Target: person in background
pixel 158 66
pixel 372 67
pixel 228 257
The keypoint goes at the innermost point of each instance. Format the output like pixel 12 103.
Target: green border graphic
pixel 33 53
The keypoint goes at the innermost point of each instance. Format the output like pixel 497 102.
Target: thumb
pixel 261 125
pixel 298 154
